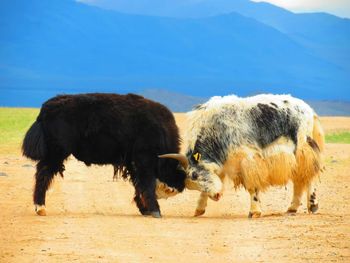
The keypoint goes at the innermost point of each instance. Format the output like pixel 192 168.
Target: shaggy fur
pixel 257 142
pixel 127 131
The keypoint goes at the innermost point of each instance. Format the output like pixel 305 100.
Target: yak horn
pixel 180 157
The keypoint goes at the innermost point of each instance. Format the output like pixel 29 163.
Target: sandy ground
pixel 335 124
pixel 92 219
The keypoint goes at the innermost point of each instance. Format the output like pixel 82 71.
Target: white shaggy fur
pixel 246 162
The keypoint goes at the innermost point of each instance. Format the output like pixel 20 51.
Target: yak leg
pixel 298 190
pixel 147 201
pixel 45 172
pixel 144 180
pixel 312 204
pixel 140 202
pixel 201 204
pixel 255 209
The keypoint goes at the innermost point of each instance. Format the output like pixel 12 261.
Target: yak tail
pixel 34 146
pixel 318 133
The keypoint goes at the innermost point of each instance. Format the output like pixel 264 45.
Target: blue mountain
pixel 62 46
pixel 324 35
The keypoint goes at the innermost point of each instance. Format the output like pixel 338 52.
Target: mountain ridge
pixel 178 102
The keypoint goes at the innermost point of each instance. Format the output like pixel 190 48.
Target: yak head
pixel 201 175
pixel 171 178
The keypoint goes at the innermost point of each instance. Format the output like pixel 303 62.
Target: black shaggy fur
pixel 272 123
pixel 212 143
pixel 127 131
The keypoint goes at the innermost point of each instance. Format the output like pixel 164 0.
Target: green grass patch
pixel 339 137
pixel 14 122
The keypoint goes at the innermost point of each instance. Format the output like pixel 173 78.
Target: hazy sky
pixel 337 7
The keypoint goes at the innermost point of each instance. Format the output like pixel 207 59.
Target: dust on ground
pixel 92 219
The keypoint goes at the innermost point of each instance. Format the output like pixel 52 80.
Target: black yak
pixel 127 131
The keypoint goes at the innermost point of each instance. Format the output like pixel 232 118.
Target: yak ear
pixel 180 157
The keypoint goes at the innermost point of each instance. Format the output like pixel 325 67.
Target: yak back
pixel 257 120
pixel 107 128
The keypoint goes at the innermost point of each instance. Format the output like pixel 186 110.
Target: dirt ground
pixel 92 219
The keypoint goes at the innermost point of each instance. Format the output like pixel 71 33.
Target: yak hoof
pixel 155 214
pixel 254 214
pixel 199 212
pixel 145 213
pixel 313 208
pixel 40 210
pixel 291 211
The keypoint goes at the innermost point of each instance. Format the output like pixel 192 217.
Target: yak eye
pixel 194 176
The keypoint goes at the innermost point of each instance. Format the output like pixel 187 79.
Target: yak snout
pixel 216 197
